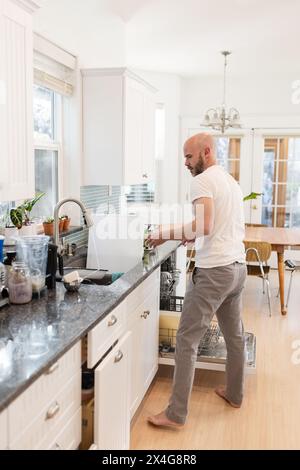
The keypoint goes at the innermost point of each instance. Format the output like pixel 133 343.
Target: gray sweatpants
pixel 211 291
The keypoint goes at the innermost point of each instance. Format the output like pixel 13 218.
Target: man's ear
pixel 206 151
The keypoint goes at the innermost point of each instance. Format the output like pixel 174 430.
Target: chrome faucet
pixel 86 217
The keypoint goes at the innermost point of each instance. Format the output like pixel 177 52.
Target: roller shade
pixel 46 80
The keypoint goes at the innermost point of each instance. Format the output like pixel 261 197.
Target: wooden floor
pixel 270 414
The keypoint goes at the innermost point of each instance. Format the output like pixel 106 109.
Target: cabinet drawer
pixel 107 332
pixel 3 430
pixel 42 431
pixel 39 395
pixel 70 436
pixel 143 290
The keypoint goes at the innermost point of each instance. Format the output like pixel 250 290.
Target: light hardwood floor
pixel 270 414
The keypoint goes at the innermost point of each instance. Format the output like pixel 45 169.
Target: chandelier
pixel 218 118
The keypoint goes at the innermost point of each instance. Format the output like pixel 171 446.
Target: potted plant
pixel 20 216
pixel 48 225
pixel 8 230
pixel 67 221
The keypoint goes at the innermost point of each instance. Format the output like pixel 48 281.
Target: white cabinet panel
pixel 143 322
pixel 112 419
pixel 118 127
pixel 105 334
pixel 3 430
pixel 16 49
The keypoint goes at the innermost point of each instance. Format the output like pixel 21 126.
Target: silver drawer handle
pixel 119 356
pixel 53 410
pixel 112 320
pixel 52 368
pixel 145 314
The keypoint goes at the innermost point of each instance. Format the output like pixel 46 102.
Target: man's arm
pixel 201 225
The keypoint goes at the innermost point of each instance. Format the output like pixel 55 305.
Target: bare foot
pixel 220 391
pixel 162 420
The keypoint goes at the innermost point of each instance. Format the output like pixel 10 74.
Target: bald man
pixel 217 280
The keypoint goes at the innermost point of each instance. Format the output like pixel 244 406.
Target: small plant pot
pixel 27 230
pixel 48 228
pixel 66 224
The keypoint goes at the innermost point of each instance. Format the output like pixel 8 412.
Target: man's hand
pixel 155 238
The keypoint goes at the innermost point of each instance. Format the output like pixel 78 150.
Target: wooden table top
pixel 275 236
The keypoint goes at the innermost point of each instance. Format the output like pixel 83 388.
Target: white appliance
pixel 116 242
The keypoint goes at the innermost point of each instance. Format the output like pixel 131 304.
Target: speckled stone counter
pixel 43 330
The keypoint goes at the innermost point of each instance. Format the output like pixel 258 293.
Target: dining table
pixel 280 239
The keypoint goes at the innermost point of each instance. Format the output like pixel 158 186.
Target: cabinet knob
pixel 145 314
pixel 112 320
pixel 118 356
pixel 52 368
pixel 145 175
pixel 53 410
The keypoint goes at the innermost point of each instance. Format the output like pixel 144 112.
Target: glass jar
pixel 19 283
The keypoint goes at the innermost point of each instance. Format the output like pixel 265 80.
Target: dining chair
pixel 259 253
pixel 293 266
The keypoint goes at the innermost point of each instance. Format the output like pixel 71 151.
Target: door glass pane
pixel 281 181
pixel 228 150
pixel 46 181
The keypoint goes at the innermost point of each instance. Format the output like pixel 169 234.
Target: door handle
pixel 112 320
pixel 53 410
pixel 118 356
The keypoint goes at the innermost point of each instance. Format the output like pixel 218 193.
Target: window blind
pixel 46 80
pixel 140 193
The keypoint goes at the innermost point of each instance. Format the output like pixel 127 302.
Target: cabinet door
pixel 144 326
pixel 133 124
pixel 3 430
pixel 149 335
pixel 112 382
pixel 148 137
pixel 16 82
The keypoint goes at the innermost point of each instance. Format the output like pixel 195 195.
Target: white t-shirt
pixel 225 243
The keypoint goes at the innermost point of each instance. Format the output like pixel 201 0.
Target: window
pixel 281 182
pixel 228 151
pixel 139 193
pixel 46 108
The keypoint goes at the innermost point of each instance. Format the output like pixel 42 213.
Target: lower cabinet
pixel 112 389
pixel 143 322
pixel 3 430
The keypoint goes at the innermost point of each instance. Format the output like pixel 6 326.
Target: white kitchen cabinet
pixel 49 411
pixel 143 322
pixel 118 128
pixel 112 389
pixel 16 83
pixel 3 430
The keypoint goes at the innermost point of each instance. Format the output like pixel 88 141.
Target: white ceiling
pixel 184 36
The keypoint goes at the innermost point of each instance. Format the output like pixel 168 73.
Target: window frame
pixel 57 143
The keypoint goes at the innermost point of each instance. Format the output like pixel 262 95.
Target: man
pixel 217 281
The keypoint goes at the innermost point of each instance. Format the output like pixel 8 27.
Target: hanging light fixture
pixel 218 118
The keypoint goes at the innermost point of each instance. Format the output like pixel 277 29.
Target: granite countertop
pixel 43 330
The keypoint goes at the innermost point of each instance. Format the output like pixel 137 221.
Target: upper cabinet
pixel 118 128
pixel 16 83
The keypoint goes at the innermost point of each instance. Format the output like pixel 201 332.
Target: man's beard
pixel 199 167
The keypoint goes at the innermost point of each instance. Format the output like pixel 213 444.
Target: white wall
pixel 94 35
pixel 168 86
pixel 261 102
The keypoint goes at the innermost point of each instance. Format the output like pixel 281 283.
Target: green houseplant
pixel 20 216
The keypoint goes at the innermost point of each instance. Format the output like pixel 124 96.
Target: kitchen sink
pixel 95 277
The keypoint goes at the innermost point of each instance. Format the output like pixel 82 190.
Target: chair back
pixel 264 250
